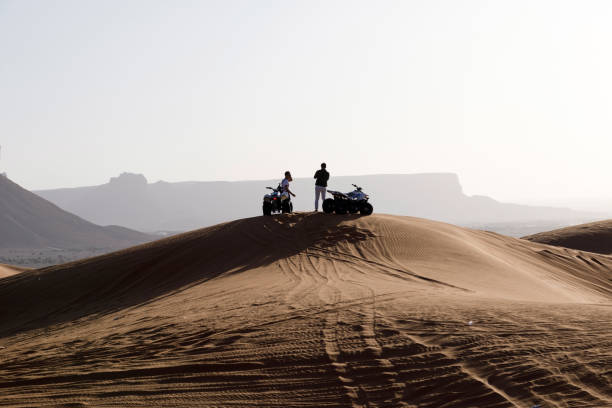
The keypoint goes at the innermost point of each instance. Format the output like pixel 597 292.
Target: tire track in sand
pixel 356 355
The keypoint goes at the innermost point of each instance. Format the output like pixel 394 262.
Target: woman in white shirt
pixel 285 184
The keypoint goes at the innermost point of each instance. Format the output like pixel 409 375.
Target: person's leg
pixel 320 193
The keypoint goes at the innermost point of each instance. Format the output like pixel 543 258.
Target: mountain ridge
pixel 29 221
pixel 182 206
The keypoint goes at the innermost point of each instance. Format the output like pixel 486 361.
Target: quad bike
pixel 276 202
pixel 353 202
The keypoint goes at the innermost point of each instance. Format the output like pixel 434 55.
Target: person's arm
pixel 286 188
pixel 316 173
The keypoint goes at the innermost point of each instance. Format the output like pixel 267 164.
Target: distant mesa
pixel 129 180
pixel 181 206
pixel 591 237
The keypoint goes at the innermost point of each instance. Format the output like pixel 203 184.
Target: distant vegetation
pixel 41 258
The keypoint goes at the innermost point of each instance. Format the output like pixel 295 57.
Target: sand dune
pixel 592 237
pixel 313 310
pixel 10 270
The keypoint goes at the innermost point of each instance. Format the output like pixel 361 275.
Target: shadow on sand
pixel 131 277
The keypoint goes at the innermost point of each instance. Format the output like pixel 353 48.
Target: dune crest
pixel 313 310
pixel 10 270
pixel 592 237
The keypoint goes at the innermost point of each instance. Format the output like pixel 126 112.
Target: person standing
pixel 285 185
pixel 286 205
pixel 321 177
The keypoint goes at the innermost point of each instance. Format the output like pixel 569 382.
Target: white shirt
pixel 285 184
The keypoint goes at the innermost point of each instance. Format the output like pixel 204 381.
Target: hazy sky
pixel 514 96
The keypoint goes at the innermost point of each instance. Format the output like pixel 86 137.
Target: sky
pixel 513 96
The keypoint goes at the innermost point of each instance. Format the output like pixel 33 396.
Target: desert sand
pixel 313 310
pixel 593 237
pixel 10 270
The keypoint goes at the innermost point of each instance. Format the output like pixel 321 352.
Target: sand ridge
pixel 313 310
pixel 10 270
pixel 592 237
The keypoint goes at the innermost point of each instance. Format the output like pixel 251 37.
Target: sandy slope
pixel 313 310
pixel 10 270
pixel 593 237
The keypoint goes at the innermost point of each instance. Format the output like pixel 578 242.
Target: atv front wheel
pixel 267 208
pixel 366 209
pixel 328 205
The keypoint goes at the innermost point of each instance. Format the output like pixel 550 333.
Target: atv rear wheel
pixel 366 209
pixel 328 205
pixel 341 208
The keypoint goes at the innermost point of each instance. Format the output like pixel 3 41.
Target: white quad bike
pixel 354 202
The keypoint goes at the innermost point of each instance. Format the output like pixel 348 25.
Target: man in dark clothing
pixel 320 185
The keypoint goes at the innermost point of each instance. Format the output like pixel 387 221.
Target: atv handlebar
pixel 357 187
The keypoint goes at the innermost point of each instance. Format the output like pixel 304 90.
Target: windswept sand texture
pixel 592 237
pixel 313 310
